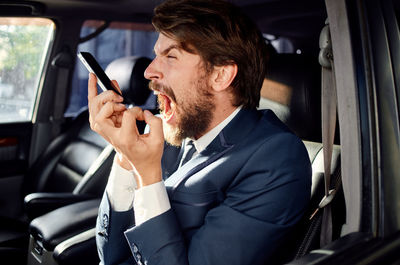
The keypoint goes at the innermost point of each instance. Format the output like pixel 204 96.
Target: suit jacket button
pixel 135 248
pixel 105 221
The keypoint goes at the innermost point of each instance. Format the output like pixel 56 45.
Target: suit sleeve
pixel 110 227
pixel 266 198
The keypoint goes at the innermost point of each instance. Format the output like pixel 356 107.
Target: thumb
pixel 129 118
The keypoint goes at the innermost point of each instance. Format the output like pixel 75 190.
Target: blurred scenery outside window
pixel 24 45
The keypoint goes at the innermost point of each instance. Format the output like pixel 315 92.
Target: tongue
pixel 168 112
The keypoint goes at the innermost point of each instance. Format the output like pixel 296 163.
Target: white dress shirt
pixel 151 200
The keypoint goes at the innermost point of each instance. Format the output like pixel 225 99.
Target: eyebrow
pixel 169 48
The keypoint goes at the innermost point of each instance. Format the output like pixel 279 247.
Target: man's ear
pixel 222 76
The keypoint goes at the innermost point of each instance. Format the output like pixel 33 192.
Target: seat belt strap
pixel 329 106
pixel 63 63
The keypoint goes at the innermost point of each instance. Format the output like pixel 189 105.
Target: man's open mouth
pixel 166 105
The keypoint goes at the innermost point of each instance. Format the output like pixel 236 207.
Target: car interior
pixel 55 168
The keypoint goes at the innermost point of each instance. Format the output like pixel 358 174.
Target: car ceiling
pixel 300 21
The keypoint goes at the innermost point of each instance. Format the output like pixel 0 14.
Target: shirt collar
pixel 201 143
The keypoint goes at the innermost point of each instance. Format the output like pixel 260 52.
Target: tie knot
pixel 188 152
pixel 189 144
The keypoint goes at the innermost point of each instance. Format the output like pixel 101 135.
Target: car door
pixel 25 43
pixel 366 49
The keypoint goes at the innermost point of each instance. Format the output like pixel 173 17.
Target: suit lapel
pixel 224 142
pixel 214 151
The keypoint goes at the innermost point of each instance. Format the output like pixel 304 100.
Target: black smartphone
pixel 93 66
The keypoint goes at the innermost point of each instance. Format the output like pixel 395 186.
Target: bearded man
pixel 240 180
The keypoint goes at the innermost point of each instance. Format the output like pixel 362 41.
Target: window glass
pixel 24 45
pixel 118 40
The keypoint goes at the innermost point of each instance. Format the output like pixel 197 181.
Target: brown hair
pixel 221 34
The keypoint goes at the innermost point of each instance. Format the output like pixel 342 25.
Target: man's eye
pixel 171 56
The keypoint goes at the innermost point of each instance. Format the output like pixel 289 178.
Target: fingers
pixel 129 121
pixel 156 129
pixel 117 119
pixel 109 95
pixel 97 102
pixel 92 86
pixel 108 110
pixel 105 122
pixel 106 95
pixel 114 83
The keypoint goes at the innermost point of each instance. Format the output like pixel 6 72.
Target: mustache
pixel 166 90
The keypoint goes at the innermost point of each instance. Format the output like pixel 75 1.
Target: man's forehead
pixel 165 43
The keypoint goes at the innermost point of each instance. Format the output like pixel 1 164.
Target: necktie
pixel 188 152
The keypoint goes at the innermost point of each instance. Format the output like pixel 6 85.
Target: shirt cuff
pixel 150 201
pixel 120 188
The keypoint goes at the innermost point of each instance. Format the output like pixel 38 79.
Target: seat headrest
pixel 294 80
pixel 129 72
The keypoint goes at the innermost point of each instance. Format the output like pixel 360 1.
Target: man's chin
pixel 172 134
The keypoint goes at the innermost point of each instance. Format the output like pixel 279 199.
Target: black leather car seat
pixel 302 77
pixel 129 72
pixel 300 74
pixel 78 217
pixel 72 168
pixel 76 164
pixel 134 86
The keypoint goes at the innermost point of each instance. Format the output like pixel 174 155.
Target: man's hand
pixel 144 151
pixel 117 125
pixel 104 108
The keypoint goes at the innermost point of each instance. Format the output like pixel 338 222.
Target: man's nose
pixel 152 72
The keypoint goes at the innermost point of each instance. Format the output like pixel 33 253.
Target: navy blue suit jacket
pixel 231 204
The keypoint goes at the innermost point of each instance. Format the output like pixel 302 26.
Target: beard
pixel 193 115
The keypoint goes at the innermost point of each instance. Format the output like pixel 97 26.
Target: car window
pixel 24 45
pixel 118 40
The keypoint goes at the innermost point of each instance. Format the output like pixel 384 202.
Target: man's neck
pixel 202 142
pixel 220 114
